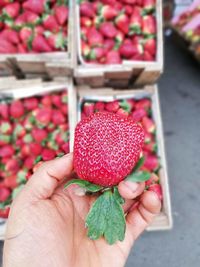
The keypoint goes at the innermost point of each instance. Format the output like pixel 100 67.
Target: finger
pixel 45 180
pixel 130 190
pixel 141 216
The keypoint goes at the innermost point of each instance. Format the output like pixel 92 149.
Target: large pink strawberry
pixel 149 25
pixel 12 10
pixel 39 134
pixel 4 110
pixel 43 115
pixel 94 37
pixel 127 50
pixel 113 57
pixel 4 194
pixel 40 44
pixel 16 109
pixel 122 23
pixel 35 6
pixel 106 148
pixel 30 103
pixel 61 14
pixel 87 10
pixel 108 29
pixel 108 12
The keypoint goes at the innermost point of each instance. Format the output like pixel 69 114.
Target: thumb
pixel 45 180
pixel 143 214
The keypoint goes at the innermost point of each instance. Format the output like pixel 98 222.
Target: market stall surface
pixel 180 104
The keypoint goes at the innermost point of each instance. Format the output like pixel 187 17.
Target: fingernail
pixel 131 185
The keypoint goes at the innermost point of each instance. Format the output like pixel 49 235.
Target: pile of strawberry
pixel 141 112
pixel 117 30
pixel 32 130
pixel 29 26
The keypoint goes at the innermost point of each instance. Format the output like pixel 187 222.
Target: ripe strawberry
pixel 57 117
pixel 148 25
pixel 31 103
pixel 156 188
pixel 88 108
pixel 48 154
pixel 43 115
pixel 122 23
pixel 150 46
pixel 148 124
pixel 35 149
pixel 29 162
pixel 136 21
pixel 150 147
pixel 108 12
pixel 99 106
pixel 4 111
pixel 148 138
pixel 11 36
pixel 61 14
pixel 16 109
pixel 108 29
pixel 112 106
pixel 12 166
pixel 128 10
pixel 57 41
pixel 6 47
pixel 39 134
pixel 64 109
pixel 34 6
pixel 4 212
pixel 127 50
pixel 109 44
pixel 101 142
pixel 86 22
pixel 151 162
pixel 127 104
pixel 123 113
pixel 6 151
pixel 65 147
pixel 20 20
pixel 50 23
pixel 152 180
pixel 138 114
pixel 85 48
pixel 21 49
pixel 11 10
pixel 113 57
pixel 46 100
pixel 87 10
pixel 4 194
pixel 130 2
pixel 149 5
pixel 40 44
pixel 31 17
pixel 97 53
pixel 94 37
pixel 143 103
pixel 148 57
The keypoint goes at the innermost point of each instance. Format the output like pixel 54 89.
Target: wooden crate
pixel 43 64
pixel 22 89
pixel 128 73
pixel 164 220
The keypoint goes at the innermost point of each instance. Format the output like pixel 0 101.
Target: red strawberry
pixel 138 114
pixel 86 22
pixel 6 47
pixel 127 50
pixel 16 109
pixel 11 10
pixel 35 149
pixel 150 46
pixel 57 41
pixel 46 100
pixel 152 180
pixel 151 162
pixel 108 29
pixel 12 166
pixel 128 9
pixel 148 125
pixel 48 154
pixel 136 21
pixel 20 20
pixel 34 6
pixel 11 181
pixel 58 117
pixel 39 134
pixel 64 109
pixel 99 106
pixel 50 23
pixel 11 36
pixel 85 48
pixel 150 147
pixel 143 103
pixel 6 151
pixel 97 53
pixel 43 115
pixel 149 5
pixel 87 10
pixel 4 213
pixel 112 106
pixel 31 103
pixel 56 100
pixel 88 108
pixel 21 49
pixel 4 111
pixel 123 113
pixel 148 25
pixel 65 147
pixel 40 44
pixel 29 162
pixel 127 105
pixel 113 57
pixel 109 44
pixel 148 56
pixel 148 138
pixel 99 149
pixel 130 2
pixel 122 23
pixel 108 12
pixel 61 14
pixel 4 194
pixel 119 37
pixel 156 188
pixel 94 37
pixel 25 150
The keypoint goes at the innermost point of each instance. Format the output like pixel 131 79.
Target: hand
pixel 46 223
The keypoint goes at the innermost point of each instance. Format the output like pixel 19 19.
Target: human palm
pixel 46 225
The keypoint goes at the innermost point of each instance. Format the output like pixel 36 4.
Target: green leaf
pixel 139 164
pixel 106 218
pixel 140 176
pixel 125 105
pixel 118 197
pixel 89 187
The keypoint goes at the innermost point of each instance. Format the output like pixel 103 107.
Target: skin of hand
pixel 46 223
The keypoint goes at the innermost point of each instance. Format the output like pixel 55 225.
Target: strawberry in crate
pixel 140 111
pixel 33 26
pixel 113 31
pixel 32 130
